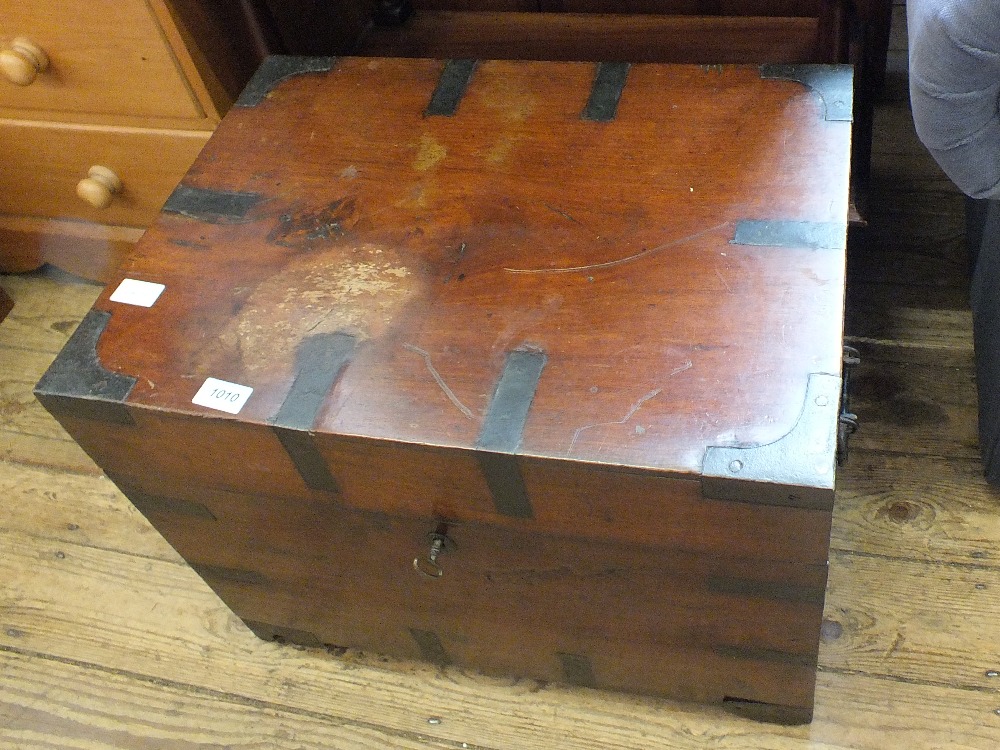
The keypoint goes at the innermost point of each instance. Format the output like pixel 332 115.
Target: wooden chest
pixel 528 367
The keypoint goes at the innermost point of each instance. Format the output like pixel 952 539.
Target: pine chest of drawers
pixel 528 367
pixel 120 85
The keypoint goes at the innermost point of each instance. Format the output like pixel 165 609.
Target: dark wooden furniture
pixel 806 31
pixel 545 367
pixel 710 32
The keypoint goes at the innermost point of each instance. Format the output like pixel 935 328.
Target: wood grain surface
pixel 486 218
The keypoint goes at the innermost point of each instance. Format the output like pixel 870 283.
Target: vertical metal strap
pixel 508 411
pixel 319 361
pixel 609 82
pixel 309 462
pixel 450 88
pixel 503 476
pixel 502 430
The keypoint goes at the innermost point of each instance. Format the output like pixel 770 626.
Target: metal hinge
pixel 847 423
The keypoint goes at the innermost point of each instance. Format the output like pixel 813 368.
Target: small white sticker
pixel 218 394
pixel 135 292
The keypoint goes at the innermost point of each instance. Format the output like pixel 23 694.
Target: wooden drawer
pixel 106 56
pixel 492 6
pixel 688 7
pixel 671 7
pixel 706 40
pixel 42 164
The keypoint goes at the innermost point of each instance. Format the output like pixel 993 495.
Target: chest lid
pixel 636 266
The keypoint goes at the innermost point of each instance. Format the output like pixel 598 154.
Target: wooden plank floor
pixel 108 640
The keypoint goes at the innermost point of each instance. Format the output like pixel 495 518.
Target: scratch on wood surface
pixel 686 366
pixel 635 407
pixel 561 213
pixel 440 381
pixel 627 259
pixel 319 320
pixel 723 280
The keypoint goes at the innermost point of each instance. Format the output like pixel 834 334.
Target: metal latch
pixel 428 566
pixel 847 423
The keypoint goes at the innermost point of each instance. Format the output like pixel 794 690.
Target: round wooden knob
pixel 22 63
pixel 99 187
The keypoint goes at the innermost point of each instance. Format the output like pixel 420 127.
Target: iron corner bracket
pixel 276 69
pixel 77 384
pixel 833 84
pixel 797 470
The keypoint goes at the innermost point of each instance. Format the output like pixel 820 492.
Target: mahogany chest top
pixel 588 263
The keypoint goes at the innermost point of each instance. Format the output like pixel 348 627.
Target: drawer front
pixel 43 164
pixel 490 6
pixel 807 8
pixel 105 56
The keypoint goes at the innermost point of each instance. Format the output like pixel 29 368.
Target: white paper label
pixel 135 292
pixel 223 396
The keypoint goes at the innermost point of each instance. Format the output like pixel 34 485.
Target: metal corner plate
pixel 833 84
pixel 797 470
pixel 276 69
pixel 77 383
